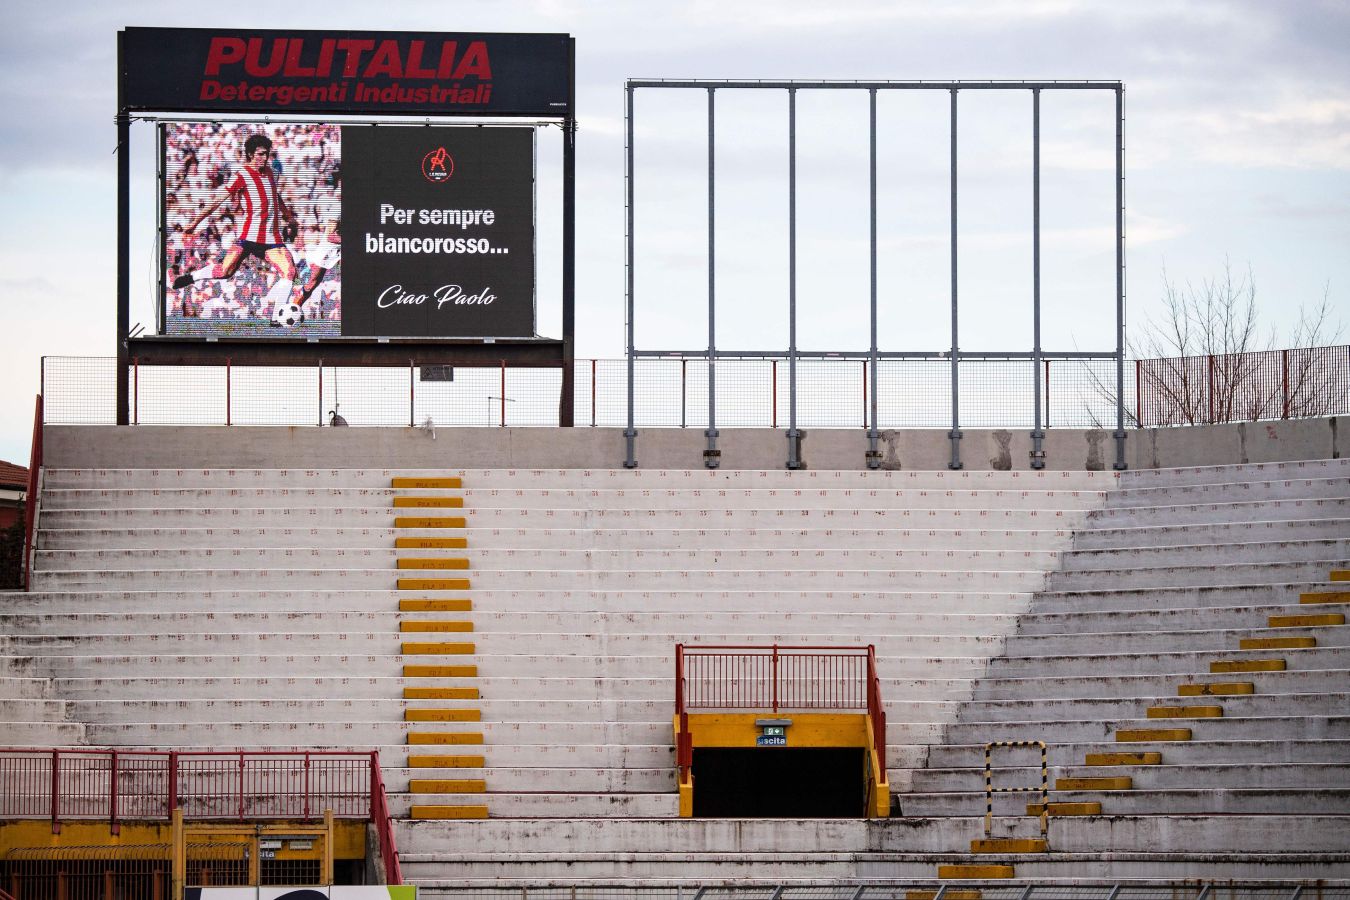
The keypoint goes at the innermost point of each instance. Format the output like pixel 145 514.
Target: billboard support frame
pixel 1037 355
pixel 174 351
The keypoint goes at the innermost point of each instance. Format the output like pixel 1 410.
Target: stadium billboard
pixel 317 230
pixel 348 72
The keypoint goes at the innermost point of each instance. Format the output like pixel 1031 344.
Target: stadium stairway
pixel 507 642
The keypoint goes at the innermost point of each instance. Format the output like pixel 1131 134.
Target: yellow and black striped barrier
pixel 990 790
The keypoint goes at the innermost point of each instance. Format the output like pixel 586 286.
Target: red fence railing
pixel 122 785
pixel 30 501
pixel 775 678
pixel 1243 387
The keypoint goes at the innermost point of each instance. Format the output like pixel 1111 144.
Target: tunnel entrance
pixel 791 782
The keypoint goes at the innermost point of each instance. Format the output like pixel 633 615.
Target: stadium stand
pixel 506 639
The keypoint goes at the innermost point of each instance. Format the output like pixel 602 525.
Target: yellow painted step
pixel 428 521
pixel 949 894
pixel 1142 735
pixel 428 605
pixel 1185 712
pixel 1247 665
pixel 428 502
pixel 1340 574
pixel 1148 758
pixel 411 543
pixel 449 812
pixel 433 584
pixel 1059 808
pixel 435 626
pixel 447 786
pixel 429 482
pixel 445 762
pixel 436 649
pixel 975 870
pixel 444 737
pixel 433 562
pixel 1007 845
pixel 442 715
pixel 1325 597
pixel 1109 783
pixel 1216 689
pixel 440 671
pixel 1277 643
pixel 439 693
pixel 1313 621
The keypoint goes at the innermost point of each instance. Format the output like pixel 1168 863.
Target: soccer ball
pixel 288 315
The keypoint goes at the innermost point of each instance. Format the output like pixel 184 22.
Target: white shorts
pixel 325 256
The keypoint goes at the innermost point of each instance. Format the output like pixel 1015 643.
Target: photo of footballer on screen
pixel 241 204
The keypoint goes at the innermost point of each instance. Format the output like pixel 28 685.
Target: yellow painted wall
pixel 806 730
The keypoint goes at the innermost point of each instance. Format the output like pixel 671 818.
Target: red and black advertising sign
pixel 347 72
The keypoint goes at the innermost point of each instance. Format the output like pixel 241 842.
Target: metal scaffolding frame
pixel 712 456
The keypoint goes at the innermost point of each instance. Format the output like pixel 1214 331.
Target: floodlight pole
pixel 794 437
pixel 123 236
pixel 1037 435
pixel 955 433
pixel 1119 434
pixel 567 397
pixel 630 433
pixel 712 456
pixel 873 454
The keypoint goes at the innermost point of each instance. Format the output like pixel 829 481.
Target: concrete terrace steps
pixel 568 498
pixel 504 560
pixel 1210 534
pixel 1142 802
pixel 1200 640
pixel 1113 708
pixel 633 601
pixel 1234 512
pixel 1139 599
pixel 1313 775
pixel 1179 554
pixel 515 538
pixel 1268 471
pixel 1234 574
pixel 480 622
pixel 994 580
pixel 1071 755
pixel 710 517
pixel 1128 495
pixel 1159 685
pixel 1172 619
pixel 1157 663
pixel 641 478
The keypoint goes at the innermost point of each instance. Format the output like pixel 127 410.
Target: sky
pixel 1237 137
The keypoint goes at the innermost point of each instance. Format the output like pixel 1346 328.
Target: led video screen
pixel 304 230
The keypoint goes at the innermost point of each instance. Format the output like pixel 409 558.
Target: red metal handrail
pixel 31 499
pixel 876 709
pixel 746 676
pixel 384 827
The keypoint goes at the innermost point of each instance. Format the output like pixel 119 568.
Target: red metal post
pixel 773 676
pixel 1211 391
pixel 1138 387
pixel 56 791
pixel 773 380
pixel 306 787
pixel 241 786
pixel 31 498
pixel 113 824
pixel 864 392
pixel 1284 388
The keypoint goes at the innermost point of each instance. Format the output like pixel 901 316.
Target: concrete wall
pixel 151 446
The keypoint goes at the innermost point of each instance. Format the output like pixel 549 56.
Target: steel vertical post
pixel 567 394
pixel 955 433
pixel 712 456
pixel 1037 434
pixel 1119 434
pixel 873 454
pixel 123 233
pixel 794 437
pixel 629 433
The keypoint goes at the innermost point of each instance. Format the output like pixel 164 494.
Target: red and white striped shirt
pixel 262 212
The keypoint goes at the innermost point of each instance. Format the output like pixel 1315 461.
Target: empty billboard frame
pixel 955 355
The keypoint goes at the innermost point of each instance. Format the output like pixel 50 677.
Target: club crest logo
pixel 438 166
